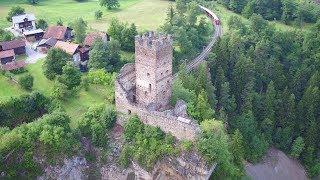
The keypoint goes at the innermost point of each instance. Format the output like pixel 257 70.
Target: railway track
pixel 215 36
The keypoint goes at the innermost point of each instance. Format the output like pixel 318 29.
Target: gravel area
pixel 276 166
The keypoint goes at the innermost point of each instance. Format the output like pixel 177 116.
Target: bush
pixel 19 71
pixel 96 123
pixel 60 91
pixel 5 35
pixel 16 10
pixel 98 14
pixel 42 24
pixel 26 81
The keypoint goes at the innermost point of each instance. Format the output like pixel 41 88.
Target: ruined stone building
pixel 144 88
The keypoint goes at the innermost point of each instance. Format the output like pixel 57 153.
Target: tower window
pixel 149 87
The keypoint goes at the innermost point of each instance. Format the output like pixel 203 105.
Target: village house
pixel 88 42
pixel 45 44
pixel 70 48
pixel 7 56
pixel 17 45
pixel 60 33
pixel 52 35
pixel 91 37
pixel 84 58
pixel 24 22
pixel 33 35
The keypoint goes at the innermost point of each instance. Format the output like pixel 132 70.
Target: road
pixel 215 36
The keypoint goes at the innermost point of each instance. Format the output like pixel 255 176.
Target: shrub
pixel 98 14
pixel 96 123
pixel 16 10
pixel 51 133
pixel 42 24
pixel 60 91
pixel 26 81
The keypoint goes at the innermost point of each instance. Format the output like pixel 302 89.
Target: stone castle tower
pixel 153 67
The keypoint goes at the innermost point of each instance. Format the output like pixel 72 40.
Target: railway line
pixel 215 36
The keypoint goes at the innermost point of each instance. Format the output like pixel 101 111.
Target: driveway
pixel 33 56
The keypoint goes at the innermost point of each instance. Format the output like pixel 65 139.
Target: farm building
pixel 60 33
pixel 34 35
pixel 84 58
pixel 91 37
pixel 13 65
pixel 17 45
pixel 45 44
pixel 70 48
pixel 7 56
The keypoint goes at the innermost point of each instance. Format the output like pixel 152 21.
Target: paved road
pixel 215 36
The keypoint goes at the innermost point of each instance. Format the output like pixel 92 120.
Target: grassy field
pixel 8 89
pixel 74 106
pixel 147 14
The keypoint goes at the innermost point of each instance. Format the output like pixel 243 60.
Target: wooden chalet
pixel 34 35
pixel 70 48
pixel 18 46
pixel 7 56
pixel 60 33
pixel 45 44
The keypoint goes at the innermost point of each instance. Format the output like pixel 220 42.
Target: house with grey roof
pixel 24 22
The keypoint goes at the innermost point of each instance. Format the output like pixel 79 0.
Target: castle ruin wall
pixel 181 128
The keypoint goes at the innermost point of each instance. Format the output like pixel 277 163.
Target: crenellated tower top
pixel 152 40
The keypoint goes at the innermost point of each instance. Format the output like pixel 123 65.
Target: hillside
pixel 133 11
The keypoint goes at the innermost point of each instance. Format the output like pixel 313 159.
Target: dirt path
pixel 276 166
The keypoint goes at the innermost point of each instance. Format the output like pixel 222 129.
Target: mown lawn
pixel 8 89
pixel 147 14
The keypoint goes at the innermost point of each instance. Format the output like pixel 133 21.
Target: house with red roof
pixel 91 37
pixel 60 33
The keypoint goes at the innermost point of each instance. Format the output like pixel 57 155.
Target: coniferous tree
pixel 203 107
pixel 237 149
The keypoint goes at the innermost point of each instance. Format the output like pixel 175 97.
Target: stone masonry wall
pixel 181 128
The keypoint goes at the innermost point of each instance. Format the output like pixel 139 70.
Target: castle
pixel 144 88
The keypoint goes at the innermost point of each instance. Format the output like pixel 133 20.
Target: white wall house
pixel 24 22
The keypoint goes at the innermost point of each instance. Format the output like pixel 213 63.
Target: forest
pixel 259 88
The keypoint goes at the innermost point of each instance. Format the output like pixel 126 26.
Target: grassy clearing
pixel 9 89
pixel 130 10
